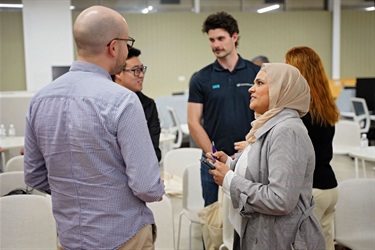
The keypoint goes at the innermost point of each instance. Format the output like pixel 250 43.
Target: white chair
pixel 174 164
pixel 176 128
pixel 192 200
pixel 164 220
pixel 14 180
pixel 228 229
pixel 355 214
pixel 347 136
pixel 361 114
pixel 27 223
pixel 176 160
pixel 14 164
pixel 11 181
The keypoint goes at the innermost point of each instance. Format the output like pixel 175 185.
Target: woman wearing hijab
pixel 320 123
pixel 270 183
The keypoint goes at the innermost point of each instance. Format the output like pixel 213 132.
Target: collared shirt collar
pixel 240 64
pixel 89 67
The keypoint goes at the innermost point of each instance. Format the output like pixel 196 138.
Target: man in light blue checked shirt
pixel 87 144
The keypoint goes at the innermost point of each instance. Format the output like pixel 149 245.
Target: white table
pixel 365 154
pixel 8 143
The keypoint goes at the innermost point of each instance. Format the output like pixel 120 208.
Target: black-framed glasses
pixel 137 71
pixel 129 41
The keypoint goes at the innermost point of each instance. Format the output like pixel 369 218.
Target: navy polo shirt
pixel 225 99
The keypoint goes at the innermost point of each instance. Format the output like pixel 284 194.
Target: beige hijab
pixel 287 89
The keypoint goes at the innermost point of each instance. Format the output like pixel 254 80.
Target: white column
pixel 47 29
pixel 336 38
pixel 197 6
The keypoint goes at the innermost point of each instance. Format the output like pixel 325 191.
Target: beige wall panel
pixel 173 45
pixel 12 54
pixel 357 44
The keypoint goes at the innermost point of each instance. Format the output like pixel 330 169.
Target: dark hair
pixel 261 58
pixel 132 53
pixel 221 20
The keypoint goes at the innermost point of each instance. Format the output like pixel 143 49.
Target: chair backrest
pixel 164 219
pixel 361 113
pixel 14 180
pixel 11 181
pixel 347 136
pixel 176 127
pixel 355 211
pixel 27 223
pixel 192 198
pixel 176 160
pixel 14 164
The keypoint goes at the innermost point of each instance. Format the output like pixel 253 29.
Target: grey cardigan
pixel 275 197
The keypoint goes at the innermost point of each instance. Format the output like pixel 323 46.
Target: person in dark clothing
pixel 320 123
pixel 218 97
pixel 131 77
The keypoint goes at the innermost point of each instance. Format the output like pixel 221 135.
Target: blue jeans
pixel 209 188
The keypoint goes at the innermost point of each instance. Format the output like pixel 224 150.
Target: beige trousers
pixel 324 210
pixel 144 239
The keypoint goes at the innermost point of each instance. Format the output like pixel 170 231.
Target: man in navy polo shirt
pixel 218 104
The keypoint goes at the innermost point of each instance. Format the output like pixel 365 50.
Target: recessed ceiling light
pixel 9 5
pixel 269 8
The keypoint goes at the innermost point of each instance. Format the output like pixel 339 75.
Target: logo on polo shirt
pixel 215 86
pixel 245 84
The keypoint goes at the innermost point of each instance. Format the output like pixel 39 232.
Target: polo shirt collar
pixel 240 64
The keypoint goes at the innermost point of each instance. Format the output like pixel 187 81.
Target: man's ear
pixel 235 36
pixel 112 48
pixel 117 76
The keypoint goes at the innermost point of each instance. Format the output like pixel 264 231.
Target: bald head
pixel 95 27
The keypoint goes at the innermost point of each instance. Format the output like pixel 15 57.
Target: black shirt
pixel 321 137
pixel 152 118
pixel 225 99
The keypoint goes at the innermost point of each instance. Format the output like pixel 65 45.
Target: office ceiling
pixel 136 6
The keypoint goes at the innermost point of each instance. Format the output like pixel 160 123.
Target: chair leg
pixel 190 227
pixel 364 168
pixel 356 167
pixel 179 230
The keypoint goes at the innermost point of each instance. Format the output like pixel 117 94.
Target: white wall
pixel 48 39
pixel 13 109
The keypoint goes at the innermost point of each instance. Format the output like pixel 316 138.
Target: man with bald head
pixel 88 145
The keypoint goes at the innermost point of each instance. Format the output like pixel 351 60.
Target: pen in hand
pixel 213 147
pixel 213 151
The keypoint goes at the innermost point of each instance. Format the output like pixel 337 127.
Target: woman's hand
pixel 240 145
pixel 219 173
pixel 219 155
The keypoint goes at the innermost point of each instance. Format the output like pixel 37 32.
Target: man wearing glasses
pixel 87 144
pixel 131 78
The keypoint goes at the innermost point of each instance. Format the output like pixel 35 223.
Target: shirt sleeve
pixel 196 93
pixel 36 174
pixel 142 167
